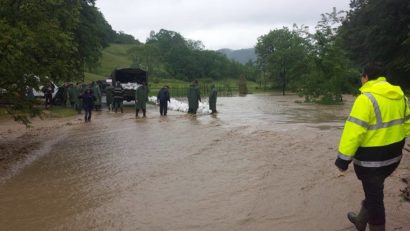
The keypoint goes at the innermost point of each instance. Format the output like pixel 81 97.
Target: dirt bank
pixel 17 141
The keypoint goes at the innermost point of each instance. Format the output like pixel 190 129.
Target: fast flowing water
pixel 160 173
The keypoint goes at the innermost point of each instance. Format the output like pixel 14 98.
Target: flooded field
pixel 263 162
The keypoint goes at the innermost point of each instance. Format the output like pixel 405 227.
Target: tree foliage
pixel 169 54
pixel 331 72
pixel 45 41
pixel 313 64
pixel 282 54
pixel 379 30
pixel 92 34
pixel 123 38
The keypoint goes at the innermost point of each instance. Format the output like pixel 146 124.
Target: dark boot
pixel 143 112
pixel 136 112
pixel 359 220
pixel 377 228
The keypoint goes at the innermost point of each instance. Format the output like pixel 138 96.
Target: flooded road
pixel 263 163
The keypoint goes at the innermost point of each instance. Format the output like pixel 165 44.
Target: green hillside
pixel 114 56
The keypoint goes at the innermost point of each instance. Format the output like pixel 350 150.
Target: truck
pixel 130 79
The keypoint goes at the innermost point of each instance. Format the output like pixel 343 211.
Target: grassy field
pixel 114 56
pixel 59 112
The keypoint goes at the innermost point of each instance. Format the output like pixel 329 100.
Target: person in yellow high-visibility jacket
pixel 373 138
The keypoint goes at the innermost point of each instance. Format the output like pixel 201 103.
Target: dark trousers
pixel 373 186
pixel 163 107
pixel 117 104
pixel 144 111
pixel 87 116
pixel 49 99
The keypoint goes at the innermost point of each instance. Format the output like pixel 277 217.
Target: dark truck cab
pixel 130 79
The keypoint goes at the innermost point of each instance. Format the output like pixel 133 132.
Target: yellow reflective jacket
pixel 377 126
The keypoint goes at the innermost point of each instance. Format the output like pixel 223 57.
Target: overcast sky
pixel 233 24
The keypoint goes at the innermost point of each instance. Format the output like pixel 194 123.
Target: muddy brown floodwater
pixel 263 163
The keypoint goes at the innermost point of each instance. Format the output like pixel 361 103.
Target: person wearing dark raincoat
pixel 97 93
pixel 212 99
pixel 141 98
pixel 88 99
pixel 73 93
pixel 194 96
pixel 163 98
pixel 48 94
pixel 109 96
pixel 118 95
pixel 64 94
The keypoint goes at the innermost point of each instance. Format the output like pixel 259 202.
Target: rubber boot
pixel 360 220
pixel 377 227
pixel 136 112
pixel 143 112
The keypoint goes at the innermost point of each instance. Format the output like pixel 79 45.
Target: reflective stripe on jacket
pixel 374 133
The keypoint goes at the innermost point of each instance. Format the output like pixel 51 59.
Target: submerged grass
pixel 58 112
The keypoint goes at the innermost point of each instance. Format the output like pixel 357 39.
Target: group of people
pixel 194 97
pixel 88 97
pixel 115 97
pixel 69 95
pixel 83 96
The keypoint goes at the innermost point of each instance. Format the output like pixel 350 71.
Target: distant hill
pixel 242 55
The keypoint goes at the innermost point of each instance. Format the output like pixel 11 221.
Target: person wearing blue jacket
pixel 163 98
pixel 88 99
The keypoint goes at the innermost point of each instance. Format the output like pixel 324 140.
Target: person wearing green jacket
pixel 97 93
pixel 141 98
pixel 109 96
pixel 194 96
pixel 73 96
pixel 212 99
pixel 373 139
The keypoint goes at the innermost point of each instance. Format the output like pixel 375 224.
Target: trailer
pixel 130 79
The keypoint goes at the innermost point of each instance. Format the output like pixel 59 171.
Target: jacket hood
pixel 381 87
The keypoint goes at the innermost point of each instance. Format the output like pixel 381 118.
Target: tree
pixel 92 35
pixel 123 38
pixel 45 41
pixel 331 71
pixel 37 41
pixel 378 30
pixel 281 54
pixel 146 57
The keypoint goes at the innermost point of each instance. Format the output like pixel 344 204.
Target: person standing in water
pixel 194 97
pixel 141 98
pixel 88 99
pixel 163 98
pixel 213 93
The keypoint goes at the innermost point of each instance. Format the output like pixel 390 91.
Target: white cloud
pixel 217 23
